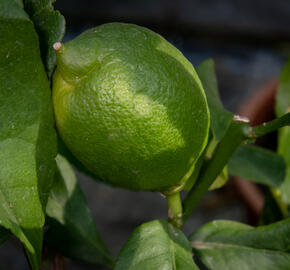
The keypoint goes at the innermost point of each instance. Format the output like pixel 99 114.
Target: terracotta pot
pixel 258 108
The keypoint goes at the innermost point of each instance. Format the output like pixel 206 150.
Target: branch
pixel 238 132
pixel 268 127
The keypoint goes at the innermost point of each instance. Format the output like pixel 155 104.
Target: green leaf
pixel 193 178
pixel 220 118
pixel 71 229
pixel 234 246
pixel 50 27
pixel 27 137
pixel 221 180
pixel 258 164
pixel 156 245
pixel 282 107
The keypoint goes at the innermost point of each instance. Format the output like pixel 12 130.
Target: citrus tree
pixel 127 108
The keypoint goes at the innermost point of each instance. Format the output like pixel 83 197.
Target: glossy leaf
pixel 220 118
pixel 258 164
pixel 234 246
pixel 71 229
pixel 50 27
pixel 282 107
pixel 156 245
pixel 27 137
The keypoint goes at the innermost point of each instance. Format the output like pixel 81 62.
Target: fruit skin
pixel 130 107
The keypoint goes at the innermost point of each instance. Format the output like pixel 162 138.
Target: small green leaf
pixel 221 180
pixel 156 245
pixel 27 137
pixel 234 246
pixel 193 178
pixel 71 229
pixel 50 27
pixel 282 107
pixel 258 165
pixel 220 118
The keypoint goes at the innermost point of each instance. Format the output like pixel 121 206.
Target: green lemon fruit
pixel 130 107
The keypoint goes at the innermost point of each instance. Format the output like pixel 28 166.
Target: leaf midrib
pixel 200 245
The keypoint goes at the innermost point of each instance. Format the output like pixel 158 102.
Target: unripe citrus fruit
pixel 130 107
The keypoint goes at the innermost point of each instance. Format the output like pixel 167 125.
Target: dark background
pixel 249 41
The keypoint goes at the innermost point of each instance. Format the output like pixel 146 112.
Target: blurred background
pixel 249 41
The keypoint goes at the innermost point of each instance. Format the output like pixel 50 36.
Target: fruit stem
pixel 174 209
